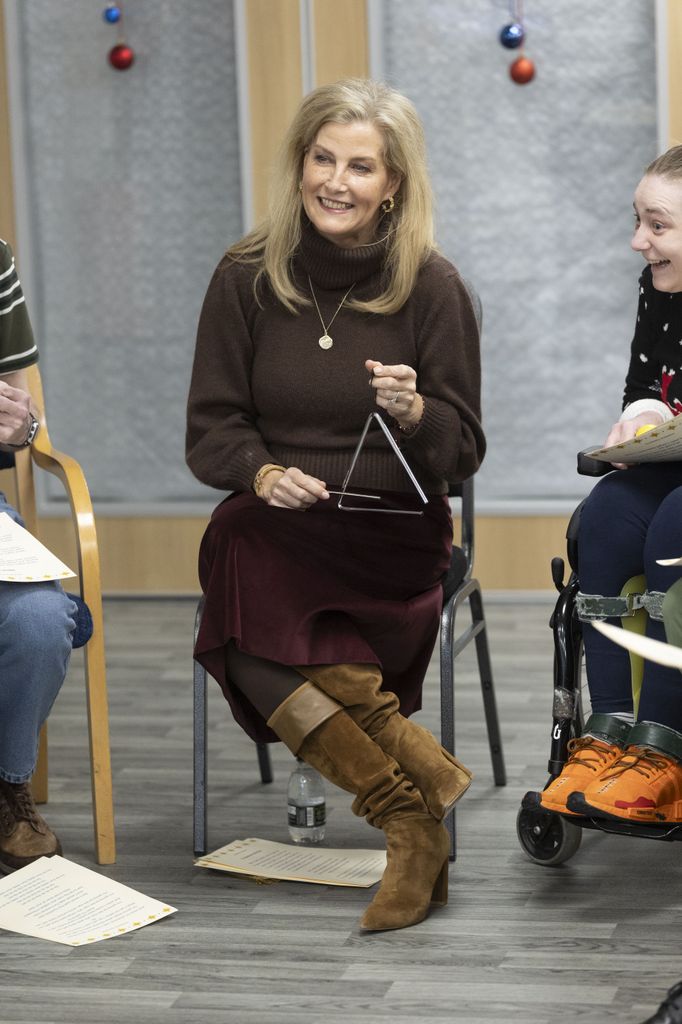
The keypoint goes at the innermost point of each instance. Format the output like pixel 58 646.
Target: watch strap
pixel 32 431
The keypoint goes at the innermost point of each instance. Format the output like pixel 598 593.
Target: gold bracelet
pixel 260 476
pixel 411 427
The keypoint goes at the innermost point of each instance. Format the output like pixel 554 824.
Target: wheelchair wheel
pixel 547 838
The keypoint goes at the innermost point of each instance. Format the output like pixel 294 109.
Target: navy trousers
pixel 631 518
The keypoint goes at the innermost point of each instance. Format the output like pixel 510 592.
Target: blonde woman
pixel 319 627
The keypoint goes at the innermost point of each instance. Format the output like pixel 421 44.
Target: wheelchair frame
pixel 546 837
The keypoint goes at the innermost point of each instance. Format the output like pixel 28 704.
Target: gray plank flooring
pixel 596 940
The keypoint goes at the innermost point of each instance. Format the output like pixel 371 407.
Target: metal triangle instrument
pixel 401 458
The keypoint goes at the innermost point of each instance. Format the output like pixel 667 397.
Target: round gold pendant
pixel 325 341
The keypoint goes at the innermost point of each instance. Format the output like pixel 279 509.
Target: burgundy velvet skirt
pixel 321 587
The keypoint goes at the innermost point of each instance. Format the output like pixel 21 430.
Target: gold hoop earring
pixel 388 204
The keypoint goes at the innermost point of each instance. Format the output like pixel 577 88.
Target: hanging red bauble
pixel 121 57
pixel 522 70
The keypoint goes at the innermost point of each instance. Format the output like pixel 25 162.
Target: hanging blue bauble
pixel 512 35
pixel 112 13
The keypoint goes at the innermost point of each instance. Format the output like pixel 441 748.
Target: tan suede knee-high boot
pixel 438 775
pixel 417 846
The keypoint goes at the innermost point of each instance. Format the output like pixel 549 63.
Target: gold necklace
pixel 326 340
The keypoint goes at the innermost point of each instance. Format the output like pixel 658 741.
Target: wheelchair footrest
pixel 531 802
pixel 666 833
pixel 618 826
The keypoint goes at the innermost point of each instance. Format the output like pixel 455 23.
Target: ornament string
pixel 512 36
pixel 121 56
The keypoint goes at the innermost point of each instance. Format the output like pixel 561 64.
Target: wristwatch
pixel 32 431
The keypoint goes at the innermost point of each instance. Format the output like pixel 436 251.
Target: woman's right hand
pixel 626 429
pixel 292 489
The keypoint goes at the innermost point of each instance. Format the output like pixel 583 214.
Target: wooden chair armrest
pixel 68 470
pixel 72 477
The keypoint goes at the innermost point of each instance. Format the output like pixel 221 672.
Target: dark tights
pixel 265 684
pixel 631 518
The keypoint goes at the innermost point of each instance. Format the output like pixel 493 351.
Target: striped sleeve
pixel 17 347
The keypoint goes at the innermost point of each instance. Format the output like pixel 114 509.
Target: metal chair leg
pixel 264 763
pixel 200 797
pixel 447 705
pixel 199 803
pixel 449 649
pixel 488 690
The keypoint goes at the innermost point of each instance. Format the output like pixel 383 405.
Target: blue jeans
pixel 36 623
pixel 631 518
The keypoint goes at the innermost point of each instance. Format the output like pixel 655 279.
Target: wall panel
pixel 133 188
pixel 512 553
pixel 534 190
pixel 340 40
pixel 274 82
pixel 674 67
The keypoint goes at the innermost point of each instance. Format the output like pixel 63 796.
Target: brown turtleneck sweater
pixel 263 390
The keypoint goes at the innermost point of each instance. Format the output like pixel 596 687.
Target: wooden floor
pixel 594 941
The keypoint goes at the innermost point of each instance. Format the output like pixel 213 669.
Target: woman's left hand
pixel 396 391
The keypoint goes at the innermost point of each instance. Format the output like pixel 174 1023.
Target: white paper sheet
pixel 662 444
pixel 60 901
pixel 265 859
pixel 645 646
pixel 23 559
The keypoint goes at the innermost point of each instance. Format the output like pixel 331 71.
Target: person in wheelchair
pixel 319 619
pixel 625 767
pixel 36 619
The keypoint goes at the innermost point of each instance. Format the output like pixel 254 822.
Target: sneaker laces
pixel 584 752
pixel 645 761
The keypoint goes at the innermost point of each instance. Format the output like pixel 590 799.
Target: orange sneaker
pixel 642 785
pixel 589 759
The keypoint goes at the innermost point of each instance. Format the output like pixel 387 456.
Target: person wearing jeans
pixel 36 619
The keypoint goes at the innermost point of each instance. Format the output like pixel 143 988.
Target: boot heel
pixel 439 895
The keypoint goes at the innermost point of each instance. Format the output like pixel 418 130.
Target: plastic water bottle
pixel 306 805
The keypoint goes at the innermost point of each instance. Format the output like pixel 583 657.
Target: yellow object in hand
pixel 643 429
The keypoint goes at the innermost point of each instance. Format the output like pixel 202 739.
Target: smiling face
pixel 345 180
pixel 658 229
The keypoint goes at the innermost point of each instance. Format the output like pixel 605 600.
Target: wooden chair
pixel 70 473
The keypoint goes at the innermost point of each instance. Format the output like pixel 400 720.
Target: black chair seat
pixel 455 574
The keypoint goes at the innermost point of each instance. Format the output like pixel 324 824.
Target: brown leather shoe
pixel 24 834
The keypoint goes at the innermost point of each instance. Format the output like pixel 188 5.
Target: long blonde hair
pixel 274 241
